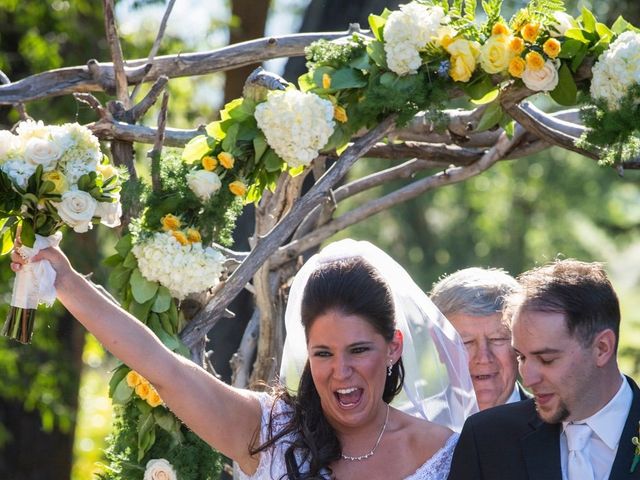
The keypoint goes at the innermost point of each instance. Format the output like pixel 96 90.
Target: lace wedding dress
pixel 272 466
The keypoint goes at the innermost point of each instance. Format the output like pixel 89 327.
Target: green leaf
pixel 488 97
pixel 140 310
pixel 7 241
pixel 576 34
pixel 306 83
pixel 165 320
pixel 168 339
pixel 122 393
pixel 588 20
pixel 242 110
pixel 162 301
pixel 490 117
pixel 272 162
pixel 376 52
pixel 124 245
pixel 146 433
pixel 112 261
pixel 118 374
pixel 197 148
pixel 142 289
pixel 603 31
pixel 27 236
pixel 119 277
pixel 566 91
pixel 479 87
pixel 229 141
pixel 259 146
pixel 347 78
pixel 376 22
pixel 215 130
pixel 571 47
pixel 130 261
pixel 621 25
pixel 388 79
pixel 361 62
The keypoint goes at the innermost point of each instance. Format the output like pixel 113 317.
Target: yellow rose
pixel 326 81
pixel 238 188
pixel 134 379
pixel 58 179
pixel 516 67
pixel 530 32
pixel 516 45
pixel 194 236
pixel 535 61
pixel 153 399
pixel 170 222
pixel 107 170
pixel 552 47
pixel 445 36
pixel 464 54
pixel 496 54
pixel 340 114
pixel 226 160
pixel 180 237
pixel 209 163
pixel 143 389
pixel 500 29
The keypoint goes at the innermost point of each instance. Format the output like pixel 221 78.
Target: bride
pixel 346 330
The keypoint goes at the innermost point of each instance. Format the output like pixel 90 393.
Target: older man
pixel 583 418
pixel 472 300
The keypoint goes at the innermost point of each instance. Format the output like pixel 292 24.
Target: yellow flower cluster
pixel 226 161
pixel 143 388
pixel 171 223
pixel 506 51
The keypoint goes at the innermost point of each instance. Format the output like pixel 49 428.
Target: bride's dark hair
pixel 351 287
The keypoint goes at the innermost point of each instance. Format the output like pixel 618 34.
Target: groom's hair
pixel 580 291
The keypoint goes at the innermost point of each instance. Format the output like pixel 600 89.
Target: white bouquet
pixel 182 268
pixel 296 125
pixel 50 176
pixel 617 69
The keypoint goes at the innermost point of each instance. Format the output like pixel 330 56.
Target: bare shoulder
pixel 424 436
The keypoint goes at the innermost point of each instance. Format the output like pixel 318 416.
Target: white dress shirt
pixel 515 395
pixel 607 425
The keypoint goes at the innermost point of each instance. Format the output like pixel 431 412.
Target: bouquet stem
pixel 19 324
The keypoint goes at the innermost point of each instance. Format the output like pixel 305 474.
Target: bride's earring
pixel 389 368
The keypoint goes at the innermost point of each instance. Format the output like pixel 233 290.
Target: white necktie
pixel 579 466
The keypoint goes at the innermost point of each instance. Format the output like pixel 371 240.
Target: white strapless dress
pixel 272 466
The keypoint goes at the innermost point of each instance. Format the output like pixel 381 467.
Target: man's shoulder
pixel 516 414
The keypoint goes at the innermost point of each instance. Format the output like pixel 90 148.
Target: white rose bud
pixel 203 183
pixel 77 209
pixel 543 80
pixel 562 23
pixel 159 469
pixel 39 151
pixel 8 142
pixel 109 213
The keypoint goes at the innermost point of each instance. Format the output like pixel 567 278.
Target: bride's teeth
pixel 345 391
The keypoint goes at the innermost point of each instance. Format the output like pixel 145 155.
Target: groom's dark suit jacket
pixel 511 442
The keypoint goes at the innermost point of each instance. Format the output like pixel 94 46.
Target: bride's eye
pixel 359 349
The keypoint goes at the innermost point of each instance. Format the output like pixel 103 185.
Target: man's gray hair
pixel 474 291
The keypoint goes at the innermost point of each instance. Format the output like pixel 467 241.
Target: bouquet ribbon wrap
pixel 34 283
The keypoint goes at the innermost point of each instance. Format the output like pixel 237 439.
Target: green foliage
pixel 615 133
pixel 192 458
pixel 332 54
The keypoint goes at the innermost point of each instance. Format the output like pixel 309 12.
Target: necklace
pixel 373 450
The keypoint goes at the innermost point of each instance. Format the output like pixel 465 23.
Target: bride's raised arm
pixel 225 417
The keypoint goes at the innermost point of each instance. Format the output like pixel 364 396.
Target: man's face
pixel 555 366
pixel 492 361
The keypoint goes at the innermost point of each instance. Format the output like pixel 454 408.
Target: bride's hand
pixel 54 255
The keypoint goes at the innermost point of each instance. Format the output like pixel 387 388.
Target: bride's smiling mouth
pixel 348 397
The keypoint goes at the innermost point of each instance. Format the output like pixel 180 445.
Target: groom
pixel 584 414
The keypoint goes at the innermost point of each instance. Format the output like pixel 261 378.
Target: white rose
pixel 109 213
pixel 39 151
pixel 203 183
pixel 543 80
pixel 159 469
pixel 563 22
pixel 77 209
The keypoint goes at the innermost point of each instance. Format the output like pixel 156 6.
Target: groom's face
pixel 554 365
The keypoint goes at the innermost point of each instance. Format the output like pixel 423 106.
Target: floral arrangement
pixel 50 176
pixel 159 469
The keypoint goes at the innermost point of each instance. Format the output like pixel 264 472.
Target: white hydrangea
pixel 18 171
pixel 296 124
pixel 183 269
pixel 617 69
pixel 406 32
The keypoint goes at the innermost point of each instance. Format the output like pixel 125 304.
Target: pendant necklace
pixel 373 450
